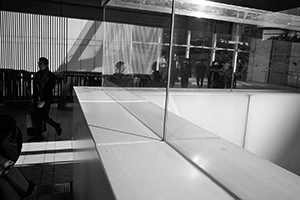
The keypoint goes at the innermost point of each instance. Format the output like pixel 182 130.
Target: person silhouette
pixel 43 84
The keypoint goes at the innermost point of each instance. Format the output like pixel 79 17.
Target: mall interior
pixel 165 99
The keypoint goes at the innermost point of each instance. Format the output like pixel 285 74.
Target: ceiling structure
pixel 269 5
pixel 94 9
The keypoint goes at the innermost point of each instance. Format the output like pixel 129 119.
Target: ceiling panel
pixel 270 5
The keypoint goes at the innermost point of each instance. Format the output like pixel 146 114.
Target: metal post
pixel 104 23
pixel 235 55
pixel 188 43
pixel 169 73
pixel 214 45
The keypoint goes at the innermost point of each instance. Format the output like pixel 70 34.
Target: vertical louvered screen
pixel 26 37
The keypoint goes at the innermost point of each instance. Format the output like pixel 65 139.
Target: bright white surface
pixel 104 136
pixel 111 118
pixel 270 129
pixel 91 94
pixel 87 173
pixel 273 130
pixel 176 125
pixel 120 94
pixel 154 171
pixel 223 114
pixel 46 152
pixel 243 173
pixel 137 164
pixel 47 146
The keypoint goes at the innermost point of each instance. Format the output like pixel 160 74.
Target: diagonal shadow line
pixel 87 34
pixel 128 133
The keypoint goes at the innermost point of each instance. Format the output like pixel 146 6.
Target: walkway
pixel 49 164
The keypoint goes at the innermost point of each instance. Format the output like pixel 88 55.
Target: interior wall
pixel 280 59
pixel 294 64
pixel 259 60
pixel 273 130
pixel 221 114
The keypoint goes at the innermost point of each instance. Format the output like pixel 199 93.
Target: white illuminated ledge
pixel 192 164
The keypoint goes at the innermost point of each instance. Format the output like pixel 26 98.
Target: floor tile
pixel 49 158
pixel 50 145
pixel 34 159
pixel 25 147
pixel 63 157
pixel 37 146
pixel 20 161
pixel 63 145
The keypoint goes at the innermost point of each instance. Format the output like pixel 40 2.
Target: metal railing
pixel 16 85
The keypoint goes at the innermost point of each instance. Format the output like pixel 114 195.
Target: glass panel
pixel 130 54
pixel 201 39
pixel 180 36
pixel 225 41
pixel 201 63
pixel 176 69
pixel 166 36
pixel 253 50
pixel 134 58
pixel 270 61
pixel 241 70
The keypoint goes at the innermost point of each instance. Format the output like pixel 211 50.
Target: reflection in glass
pixel 130 54
pixel 201 39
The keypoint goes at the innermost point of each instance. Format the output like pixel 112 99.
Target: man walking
pixel 43 84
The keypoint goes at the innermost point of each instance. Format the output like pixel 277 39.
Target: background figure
pixel 163 67
pixel 214 75
pixel 185 73
pixel 118 77
pixel 155 80
pixel 174 71
pixel 227 75
pixel 201 68
pixel 120 67
pixel 43 84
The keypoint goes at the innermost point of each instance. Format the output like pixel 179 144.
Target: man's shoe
pixel 58 130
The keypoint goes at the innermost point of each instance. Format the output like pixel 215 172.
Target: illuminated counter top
pixel 125 131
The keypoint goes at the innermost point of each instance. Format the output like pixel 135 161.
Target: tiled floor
pixel 49 163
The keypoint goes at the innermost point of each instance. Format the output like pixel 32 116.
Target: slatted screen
pixel 26 37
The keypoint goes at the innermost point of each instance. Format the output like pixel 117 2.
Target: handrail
pixel 16 85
